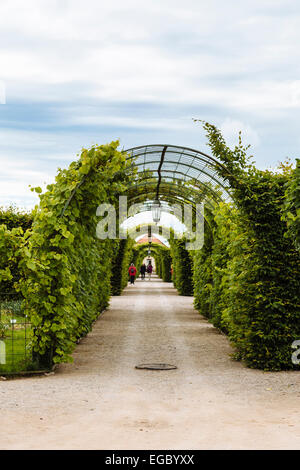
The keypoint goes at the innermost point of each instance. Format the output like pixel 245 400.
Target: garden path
pixel 101 401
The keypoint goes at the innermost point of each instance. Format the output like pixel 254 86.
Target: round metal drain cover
pixel 156 366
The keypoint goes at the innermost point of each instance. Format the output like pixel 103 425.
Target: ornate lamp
pixel 156 211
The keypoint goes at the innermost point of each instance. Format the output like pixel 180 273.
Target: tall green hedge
pixel 166 262
pixel 163 261
pixel 202 269
pixel 17 223
pixel 11 250
pixel 255 269
pixel 12 217
pixel 182 266
pixel 121 261
pixel 291 206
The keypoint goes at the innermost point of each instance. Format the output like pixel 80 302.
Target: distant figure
pixel 143 270
pixel 149 270
pixel 132 273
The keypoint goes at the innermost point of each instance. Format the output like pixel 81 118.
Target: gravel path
pixel 102 401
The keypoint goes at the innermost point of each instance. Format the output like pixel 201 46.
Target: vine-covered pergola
pixel 245 278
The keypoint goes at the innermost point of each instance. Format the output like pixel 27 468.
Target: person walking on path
pixel 143 270
pixel 132 273
pixel 149 270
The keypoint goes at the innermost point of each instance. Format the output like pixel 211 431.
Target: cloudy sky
pixel 74 73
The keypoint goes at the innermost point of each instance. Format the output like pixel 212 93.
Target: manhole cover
pixel 155 366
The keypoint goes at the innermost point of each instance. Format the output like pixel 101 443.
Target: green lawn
pixel 15 334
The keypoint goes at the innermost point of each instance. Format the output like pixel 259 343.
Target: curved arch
pixel 167 164
pixel 161 255
pixel 195 160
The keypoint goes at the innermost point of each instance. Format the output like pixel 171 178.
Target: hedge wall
pixel 11 250
pixel 15 223
pixel 163 263
pixel 121 261
pixel 291 207
pixel 182 266
pixel 252 268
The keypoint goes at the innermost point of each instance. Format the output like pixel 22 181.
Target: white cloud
pixel 230 130
pixel 163 52
pixel 90 65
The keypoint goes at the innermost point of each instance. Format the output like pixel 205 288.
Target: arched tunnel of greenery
pixel 161 256
pixel 245 279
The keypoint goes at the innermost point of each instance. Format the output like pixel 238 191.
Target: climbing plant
pixel 67 269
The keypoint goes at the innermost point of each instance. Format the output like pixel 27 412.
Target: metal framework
pixel 172 174
pixel 175 175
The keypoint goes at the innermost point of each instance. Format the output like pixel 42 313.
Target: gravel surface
pixel 101 401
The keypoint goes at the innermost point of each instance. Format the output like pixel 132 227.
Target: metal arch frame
pixel 173 197
pixel 208 159
pixel 202 185
pixel 143 229
pixel 169 197
pixel 172 192
pixel 186 174
pixel 192 179
pixel 154 246
pixel 178 147
pixel 162 149
pixel 177 163
pixel 177 190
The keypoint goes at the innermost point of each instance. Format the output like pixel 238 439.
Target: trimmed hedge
pixel 163 263
pixel 121 261
pixel 12 217
pixel 254 267
pixel 16 224
pixel 182 261
pixel 291 207
pixel 11 249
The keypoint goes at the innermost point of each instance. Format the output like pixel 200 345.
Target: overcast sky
pixel 74 73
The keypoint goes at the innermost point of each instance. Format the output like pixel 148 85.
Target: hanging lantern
pixel 156 211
